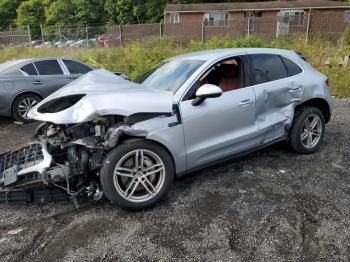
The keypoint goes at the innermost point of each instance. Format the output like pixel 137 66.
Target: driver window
pixel 227 74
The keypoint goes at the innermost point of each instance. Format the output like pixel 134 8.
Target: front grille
pixel 23 158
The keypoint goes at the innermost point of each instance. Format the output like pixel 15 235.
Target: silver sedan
pixel 25 82
pixel 104 135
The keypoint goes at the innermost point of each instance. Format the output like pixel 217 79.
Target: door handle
pixel 245 102
pixel 37 82
pixel 294 90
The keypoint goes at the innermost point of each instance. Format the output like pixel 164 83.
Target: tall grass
pixel 137 57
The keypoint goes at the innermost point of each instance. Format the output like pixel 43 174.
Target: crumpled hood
pixel 104 94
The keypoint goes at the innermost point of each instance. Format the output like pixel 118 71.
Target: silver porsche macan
pixel 106 136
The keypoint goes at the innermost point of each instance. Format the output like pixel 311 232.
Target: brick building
pixel 267 19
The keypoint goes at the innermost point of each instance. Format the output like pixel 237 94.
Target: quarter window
pixel 48 67
pixel 266 68
pixel 76 68
pixel 292 68
pixel 29 70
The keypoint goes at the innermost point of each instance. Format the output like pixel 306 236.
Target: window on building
pixel 292 17
pixel 347 16
pixel 216 19
pixel 251 21
pixel 174 18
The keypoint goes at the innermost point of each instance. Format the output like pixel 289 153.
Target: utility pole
pixel 42 34
pixel 11 35
pixel 87 36
pixel 308 27
pixel 29 35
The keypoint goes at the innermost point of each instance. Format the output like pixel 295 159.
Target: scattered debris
pixel 18 123
pixel 15 231
pixel 2 240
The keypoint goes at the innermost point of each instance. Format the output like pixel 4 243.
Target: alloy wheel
pixel 25 106
pixel 311 131
pixel 139 175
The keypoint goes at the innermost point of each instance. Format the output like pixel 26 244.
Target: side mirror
pixel 206 91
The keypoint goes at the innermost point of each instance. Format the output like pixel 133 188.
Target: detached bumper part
pixel 33 158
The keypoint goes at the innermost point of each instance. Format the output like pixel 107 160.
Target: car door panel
pixel 46 85
pixel 219 127
pixel 275 100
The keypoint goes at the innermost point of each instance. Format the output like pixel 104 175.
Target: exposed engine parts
pixel 63 159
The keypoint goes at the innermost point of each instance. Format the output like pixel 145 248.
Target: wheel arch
pixel 24 93
pixel 125 137
pixel 319 103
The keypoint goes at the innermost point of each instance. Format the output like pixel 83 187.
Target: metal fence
pixel 120 35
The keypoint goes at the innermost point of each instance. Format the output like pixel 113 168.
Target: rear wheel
pixel 22 105
pixel 307 131
pixel 137 174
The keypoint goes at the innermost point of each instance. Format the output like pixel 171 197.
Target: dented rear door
pixel 276 93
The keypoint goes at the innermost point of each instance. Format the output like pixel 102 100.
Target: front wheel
pixel 137 174
pixel 307 131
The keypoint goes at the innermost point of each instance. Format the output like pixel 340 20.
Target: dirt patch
pixel 271 205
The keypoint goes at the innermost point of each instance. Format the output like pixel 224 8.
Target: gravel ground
pixel 271 205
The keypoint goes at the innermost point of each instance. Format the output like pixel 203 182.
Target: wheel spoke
pixel 138 159
pixel 314 122
pixel 152 167
pixel 316 133
pixel 148 186
pixel 309 140
pixel 304 135
pixel 122 171
pixel 133 188
pixel 154 171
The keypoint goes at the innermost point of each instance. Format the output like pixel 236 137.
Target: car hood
pixel 100 93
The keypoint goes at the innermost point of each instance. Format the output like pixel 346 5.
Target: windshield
pixel 171 75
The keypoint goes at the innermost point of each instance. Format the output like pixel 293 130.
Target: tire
pixel 22 104
pixel 128 188
pixel 303 138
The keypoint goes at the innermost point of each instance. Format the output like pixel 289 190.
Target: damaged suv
pixel 104 135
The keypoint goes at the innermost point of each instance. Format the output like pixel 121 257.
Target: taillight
pixel 328 83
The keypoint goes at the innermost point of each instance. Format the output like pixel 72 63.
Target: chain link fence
pixel 120 35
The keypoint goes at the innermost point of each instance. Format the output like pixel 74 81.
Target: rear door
pixel 276 85
pixel 48 76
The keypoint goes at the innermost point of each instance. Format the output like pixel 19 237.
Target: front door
pixel 223 126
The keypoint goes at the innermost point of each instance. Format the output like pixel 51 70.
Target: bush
pixel 138 57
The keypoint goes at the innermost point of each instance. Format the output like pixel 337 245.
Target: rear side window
pixel 292 68
pixel 29 70
pixel 76 67
pixel 266 68
pixel 48 67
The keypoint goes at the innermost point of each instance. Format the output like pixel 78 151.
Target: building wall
pixel 265 26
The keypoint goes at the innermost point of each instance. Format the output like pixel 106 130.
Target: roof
pixel 270 5
pixel 214 54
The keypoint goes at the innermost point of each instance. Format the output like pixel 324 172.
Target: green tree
pixel 122 11
pixel 8 12
pixel 90 11
pixel 60 13
pixel 31 12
